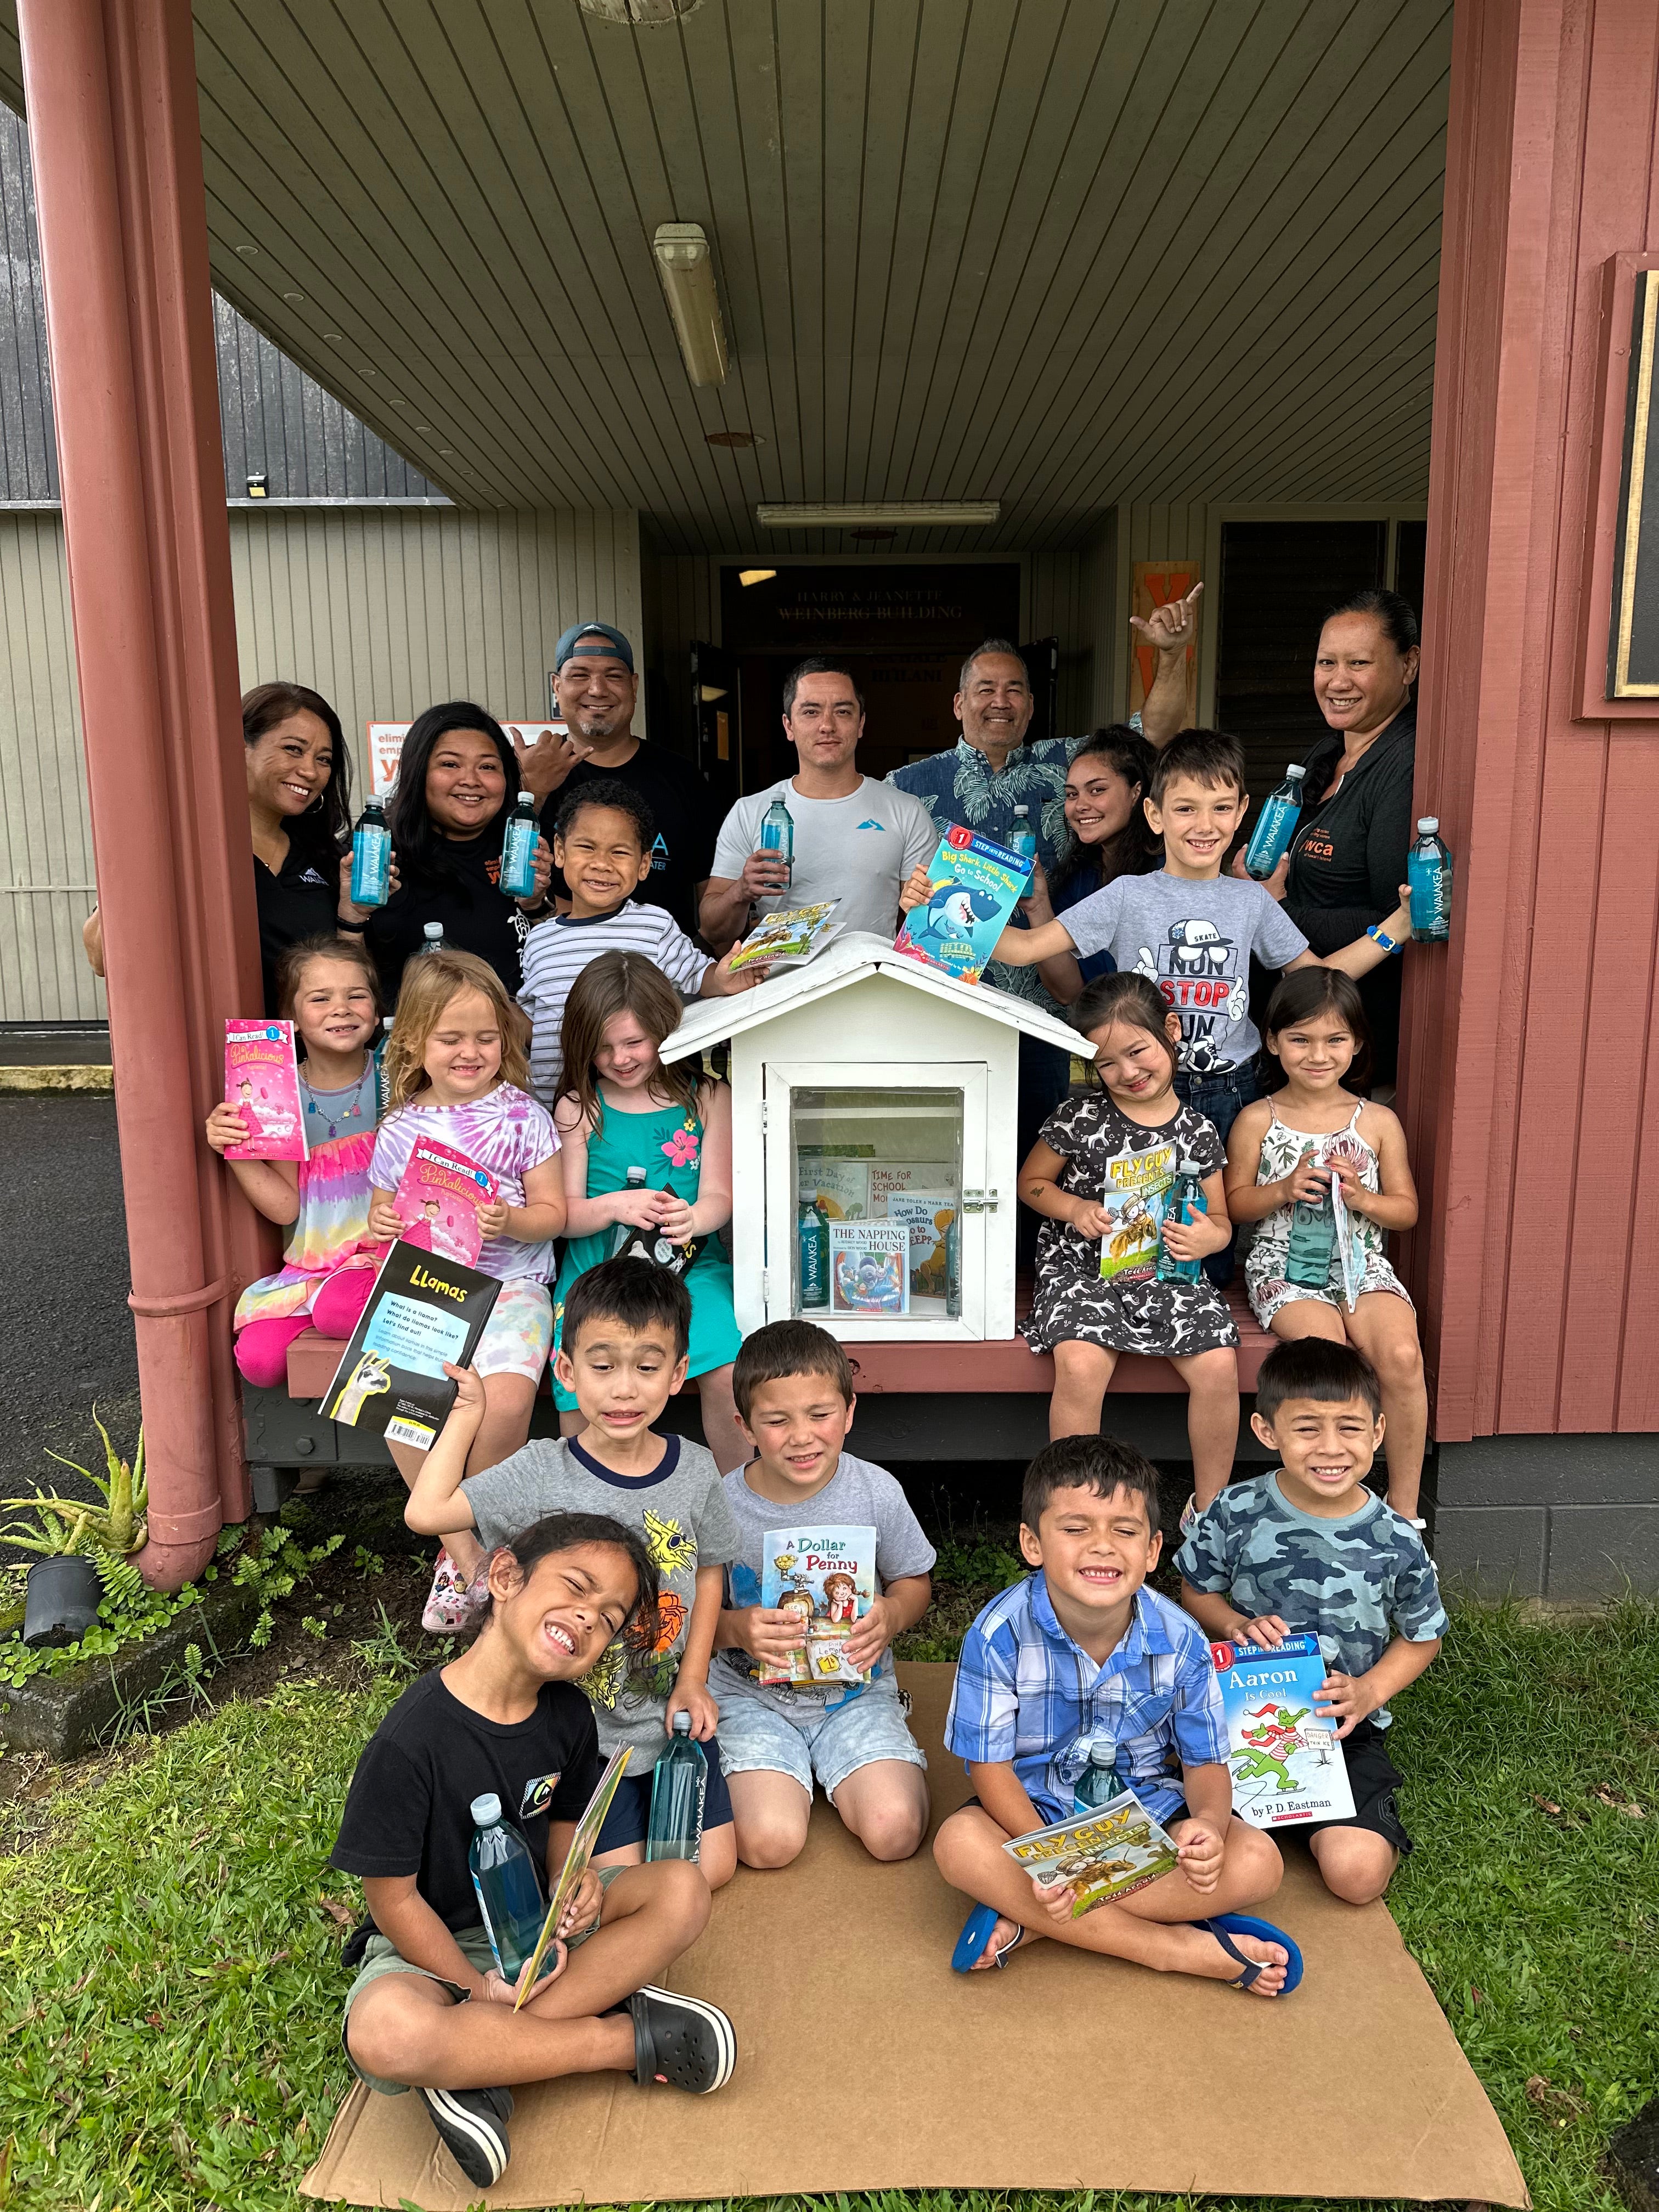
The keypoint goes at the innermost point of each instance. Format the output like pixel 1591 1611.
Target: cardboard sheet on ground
pixel 864 2064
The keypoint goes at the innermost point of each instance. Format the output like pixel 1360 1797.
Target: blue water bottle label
pixel 371 855
pixel 519 858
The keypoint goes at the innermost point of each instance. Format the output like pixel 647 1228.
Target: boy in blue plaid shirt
pixel 1082 1650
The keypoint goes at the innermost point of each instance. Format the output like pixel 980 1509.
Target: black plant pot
pixel 60 1599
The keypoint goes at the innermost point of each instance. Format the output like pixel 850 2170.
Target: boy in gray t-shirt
pixel 622 1355
pixel 793 1390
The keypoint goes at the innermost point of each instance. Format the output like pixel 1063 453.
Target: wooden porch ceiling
pixel 1054 253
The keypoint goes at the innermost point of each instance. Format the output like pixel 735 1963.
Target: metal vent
pixel 640 13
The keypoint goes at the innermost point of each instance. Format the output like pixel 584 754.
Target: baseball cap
pixel 575 641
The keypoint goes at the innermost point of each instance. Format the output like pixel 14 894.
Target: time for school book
pixel 437 1200
pixel 1287 1762
pixel 826 1576
pixel 423 1310
pixel 1100 1856
pixel 975 885
pixel 262 1082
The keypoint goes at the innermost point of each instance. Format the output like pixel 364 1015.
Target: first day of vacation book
pixel 1286 1762
pixel 826 1576
pixel 975 885
pixel 422 1311
pixel 1100 1856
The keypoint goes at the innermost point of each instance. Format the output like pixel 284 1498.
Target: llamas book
pixel 827 1576
pixel 1286 1762
pixel 262 1082
pixel 438 1198
pixel 974 884
pixel 422 1311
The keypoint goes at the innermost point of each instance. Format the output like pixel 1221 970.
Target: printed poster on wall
pixel 385 745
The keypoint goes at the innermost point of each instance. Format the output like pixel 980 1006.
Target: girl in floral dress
pixel 624 1108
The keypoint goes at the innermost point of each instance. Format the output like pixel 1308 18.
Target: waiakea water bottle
pixel 777 836
pixel 1098 1785
pixel 371 857
pixel 679 1781
pixel 1186 1200
pixel 504 1878
pixel 1276 826
pixel 1429 872
pixel 813 1236
pixel 519 849
pixel 624 1229
pixel 434 934
pixel 1023 839
pixel 1312 1241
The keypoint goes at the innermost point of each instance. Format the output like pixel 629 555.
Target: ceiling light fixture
pixel 687 269
pixel 901 514
pixel 735 441
pixel 746 576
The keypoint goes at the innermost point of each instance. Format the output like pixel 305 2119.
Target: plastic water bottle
pixel 624 1229
pixel 812 1234
pixel 371 857
pixel 1276 826
pixel 953 1265
pixel 433 934
pixel 1312 1243
pixel 777 836
pixel 1098 1785
pixel 519 849
pixel 1022 838
pixel 1429 872
pixel 678 1782
pixel 1185 1202
pixel 504 1878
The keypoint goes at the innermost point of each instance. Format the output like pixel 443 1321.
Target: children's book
pixel 1137 1186
pixel 929 1216
pixel 422 1311
pixel 1287 1762
pixel 840 1186
pixel 789 939
pixel 869 1267
pixel 262 1082
pixel 827 1576
pixel 888 1175
pixel 438 1198
pixel 975 885
pixel 575 1866
pixel 1100 1856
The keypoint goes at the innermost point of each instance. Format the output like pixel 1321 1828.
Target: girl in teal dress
pixel 624 1110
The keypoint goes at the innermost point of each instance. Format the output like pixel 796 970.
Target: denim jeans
pixel 1221 1098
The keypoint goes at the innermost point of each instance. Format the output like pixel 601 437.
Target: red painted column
pixel 114 138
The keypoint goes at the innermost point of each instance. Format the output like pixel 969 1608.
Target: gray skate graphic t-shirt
pixel 681 1512
pixel 1194 941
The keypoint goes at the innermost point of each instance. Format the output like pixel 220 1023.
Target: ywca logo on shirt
pixel 537 1795
pixel 1196 969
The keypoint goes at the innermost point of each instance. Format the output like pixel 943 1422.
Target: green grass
pixel 169 1983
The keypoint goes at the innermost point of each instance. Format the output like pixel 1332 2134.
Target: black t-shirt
pixel 684 812
pixel 408 1809
pixel 301 900
pixel 476 915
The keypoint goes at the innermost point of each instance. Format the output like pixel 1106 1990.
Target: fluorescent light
pixel 756 575
pixel 687 269
pixel 900 511
pixel 709 692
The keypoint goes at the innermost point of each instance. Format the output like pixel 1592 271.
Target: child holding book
pixel 603 841
pixel 622 1358
pixel 1307 1550
pixel 1100 1173
pixel 624 1110
pixel 456 1073
pixel 1314 1133
pixel 427 2009
pixel 795 1402
pixel 1083 1650
pixel 327 986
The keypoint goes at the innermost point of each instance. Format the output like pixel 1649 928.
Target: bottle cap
pixel 682 1722
pixel 486 1810
pixel 1295 768
pixel 1022 809
pixel 434 929
pixel 1189 1167
pixel 1428 824
pixel 1101 1752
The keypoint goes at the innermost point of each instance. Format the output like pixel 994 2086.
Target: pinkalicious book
pixel 262 1082
pixel 827 1576
pixel 869 1267
pixel 438 1198
pixel 422 1311
pixel 975 885
pixel 1287 1762
pixel 1099 1855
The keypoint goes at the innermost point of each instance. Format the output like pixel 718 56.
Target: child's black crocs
pixel 681 2041
pixel 472 2123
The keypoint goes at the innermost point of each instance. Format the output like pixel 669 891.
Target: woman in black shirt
pixel 458 779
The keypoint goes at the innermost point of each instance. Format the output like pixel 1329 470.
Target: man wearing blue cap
pixel 595 691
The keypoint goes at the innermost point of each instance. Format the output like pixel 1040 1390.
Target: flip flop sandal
pixel 978 1930
pixel 1241 1924
pixel 681 2041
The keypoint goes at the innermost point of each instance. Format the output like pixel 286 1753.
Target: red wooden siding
pixel 1531 1088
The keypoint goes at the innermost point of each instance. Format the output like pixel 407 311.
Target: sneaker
pixel 472 2123
pixel 451 1603
pixel 681 2041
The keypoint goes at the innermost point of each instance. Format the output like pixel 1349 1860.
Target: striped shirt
pixel 557 952
pixel 1027 1695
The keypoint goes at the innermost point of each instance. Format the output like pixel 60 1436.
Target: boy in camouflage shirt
pixel 1306 1550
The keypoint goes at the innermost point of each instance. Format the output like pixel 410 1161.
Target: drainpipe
pixel 114 139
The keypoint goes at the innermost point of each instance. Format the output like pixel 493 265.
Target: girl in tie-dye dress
pixel 328 988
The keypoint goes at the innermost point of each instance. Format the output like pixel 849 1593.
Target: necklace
pixel 339 1109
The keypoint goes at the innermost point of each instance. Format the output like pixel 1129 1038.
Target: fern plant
pixel 62 1526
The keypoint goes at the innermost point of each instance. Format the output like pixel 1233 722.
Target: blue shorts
pixel 629 1817
pixel 762 1731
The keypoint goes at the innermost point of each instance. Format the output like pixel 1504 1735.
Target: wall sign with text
pixel 385 745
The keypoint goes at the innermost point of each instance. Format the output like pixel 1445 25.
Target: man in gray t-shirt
pixel 681 1511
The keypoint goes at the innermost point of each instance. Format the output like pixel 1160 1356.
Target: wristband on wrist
pixel 1378 935
pixel 351 928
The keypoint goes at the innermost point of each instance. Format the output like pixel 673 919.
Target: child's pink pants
pixel 262 1346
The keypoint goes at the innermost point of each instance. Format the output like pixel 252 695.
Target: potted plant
pixel 64 1586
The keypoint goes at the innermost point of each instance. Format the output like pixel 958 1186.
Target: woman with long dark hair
pixel 458 779
pixel 1110 774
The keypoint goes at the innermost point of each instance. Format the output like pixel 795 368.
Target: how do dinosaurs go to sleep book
pixel 1098 1856
pixel 1286 1762
pixel 827 1576
pixel 974 884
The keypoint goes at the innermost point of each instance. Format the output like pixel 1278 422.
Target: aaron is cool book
pixel 422 1311
pixel 262 1082
pixel 437 1200
pixel 1098 1856
pixel 975 885
pixel 827 1576
pixel 1287 1762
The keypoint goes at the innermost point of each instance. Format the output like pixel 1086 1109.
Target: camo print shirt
pixel 1356 1583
